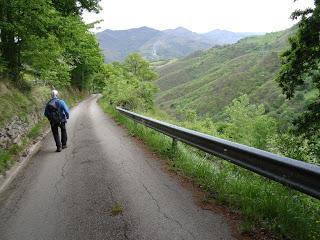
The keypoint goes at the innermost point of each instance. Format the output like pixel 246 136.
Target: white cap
pixel 54 93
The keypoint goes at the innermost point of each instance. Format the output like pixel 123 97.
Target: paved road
pixel 69 195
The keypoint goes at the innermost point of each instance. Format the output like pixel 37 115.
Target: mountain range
pixel 159 45
pixel 208 81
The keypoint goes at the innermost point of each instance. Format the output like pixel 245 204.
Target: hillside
pixel 208 81
pixel 156 45
pixel 227 37
pixel 116 45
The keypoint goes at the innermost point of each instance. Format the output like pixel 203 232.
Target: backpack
pixel 53 111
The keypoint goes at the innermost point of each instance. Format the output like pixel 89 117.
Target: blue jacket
pixel 63 109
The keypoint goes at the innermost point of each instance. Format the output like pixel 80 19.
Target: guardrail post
pixel 174 145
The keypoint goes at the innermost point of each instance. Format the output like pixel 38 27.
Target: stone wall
pixel 15 129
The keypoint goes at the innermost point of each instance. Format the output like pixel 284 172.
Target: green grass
pixel 13 104
pixel 37 129
pixel 116 209
pixel 261 202
pixel 7 155
pixel 5 158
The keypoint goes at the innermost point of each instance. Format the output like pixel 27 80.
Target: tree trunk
pixel 10 49
pixel 10 54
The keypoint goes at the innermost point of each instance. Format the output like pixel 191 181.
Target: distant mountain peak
pixel 182 29
pixel 144 28
pixel 154 44
pixel 178 29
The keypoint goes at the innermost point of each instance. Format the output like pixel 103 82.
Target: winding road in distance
pixel 69 195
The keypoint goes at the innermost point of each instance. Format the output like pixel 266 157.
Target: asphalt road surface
pixel 76 194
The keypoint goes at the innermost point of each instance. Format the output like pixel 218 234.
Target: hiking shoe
pixel 58 149
pixel 64 146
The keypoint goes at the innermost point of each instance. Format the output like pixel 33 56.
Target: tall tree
pixel 49 39
pixel 140 68
pixel 130 84
pixel 76 7
pixel 301 66
pixel 81 49
pixel 18 20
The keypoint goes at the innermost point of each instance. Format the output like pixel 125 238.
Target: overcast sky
pixel 198 15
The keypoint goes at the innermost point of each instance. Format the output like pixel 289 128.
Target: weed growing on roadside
pixel 5 158
pixel 116 209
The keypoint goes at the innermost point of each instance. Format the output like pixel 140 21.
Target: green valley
pixel 208 81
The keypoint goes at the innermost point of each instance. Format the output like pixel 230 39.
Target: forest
pixel 45 42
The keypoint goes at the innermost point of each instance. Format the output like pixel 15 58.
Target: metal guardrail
pixel 299 175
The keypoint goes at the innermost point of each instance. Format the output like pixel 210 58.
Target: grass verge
pixel 262 203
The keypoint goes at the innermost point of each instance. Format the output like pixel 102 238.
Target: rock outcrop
pixel 15 129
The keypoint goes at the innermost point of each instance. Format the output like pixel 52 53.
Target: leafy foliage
pixel 247 123
pixel 81 51
pixel 49 40
pixel 130 84
pixel 293 146
pixel 71 7
pixel 138 67
pixel 302 58
pixel 44 59
pixel 300 67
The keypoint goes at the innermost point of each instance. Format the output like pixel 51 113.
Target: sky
pixel 198 15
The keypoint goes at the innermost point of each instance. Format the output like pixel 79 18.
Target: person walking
pixel 57 113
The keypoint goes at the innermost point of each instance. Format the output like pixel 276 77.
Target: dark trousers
pixel 55 132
